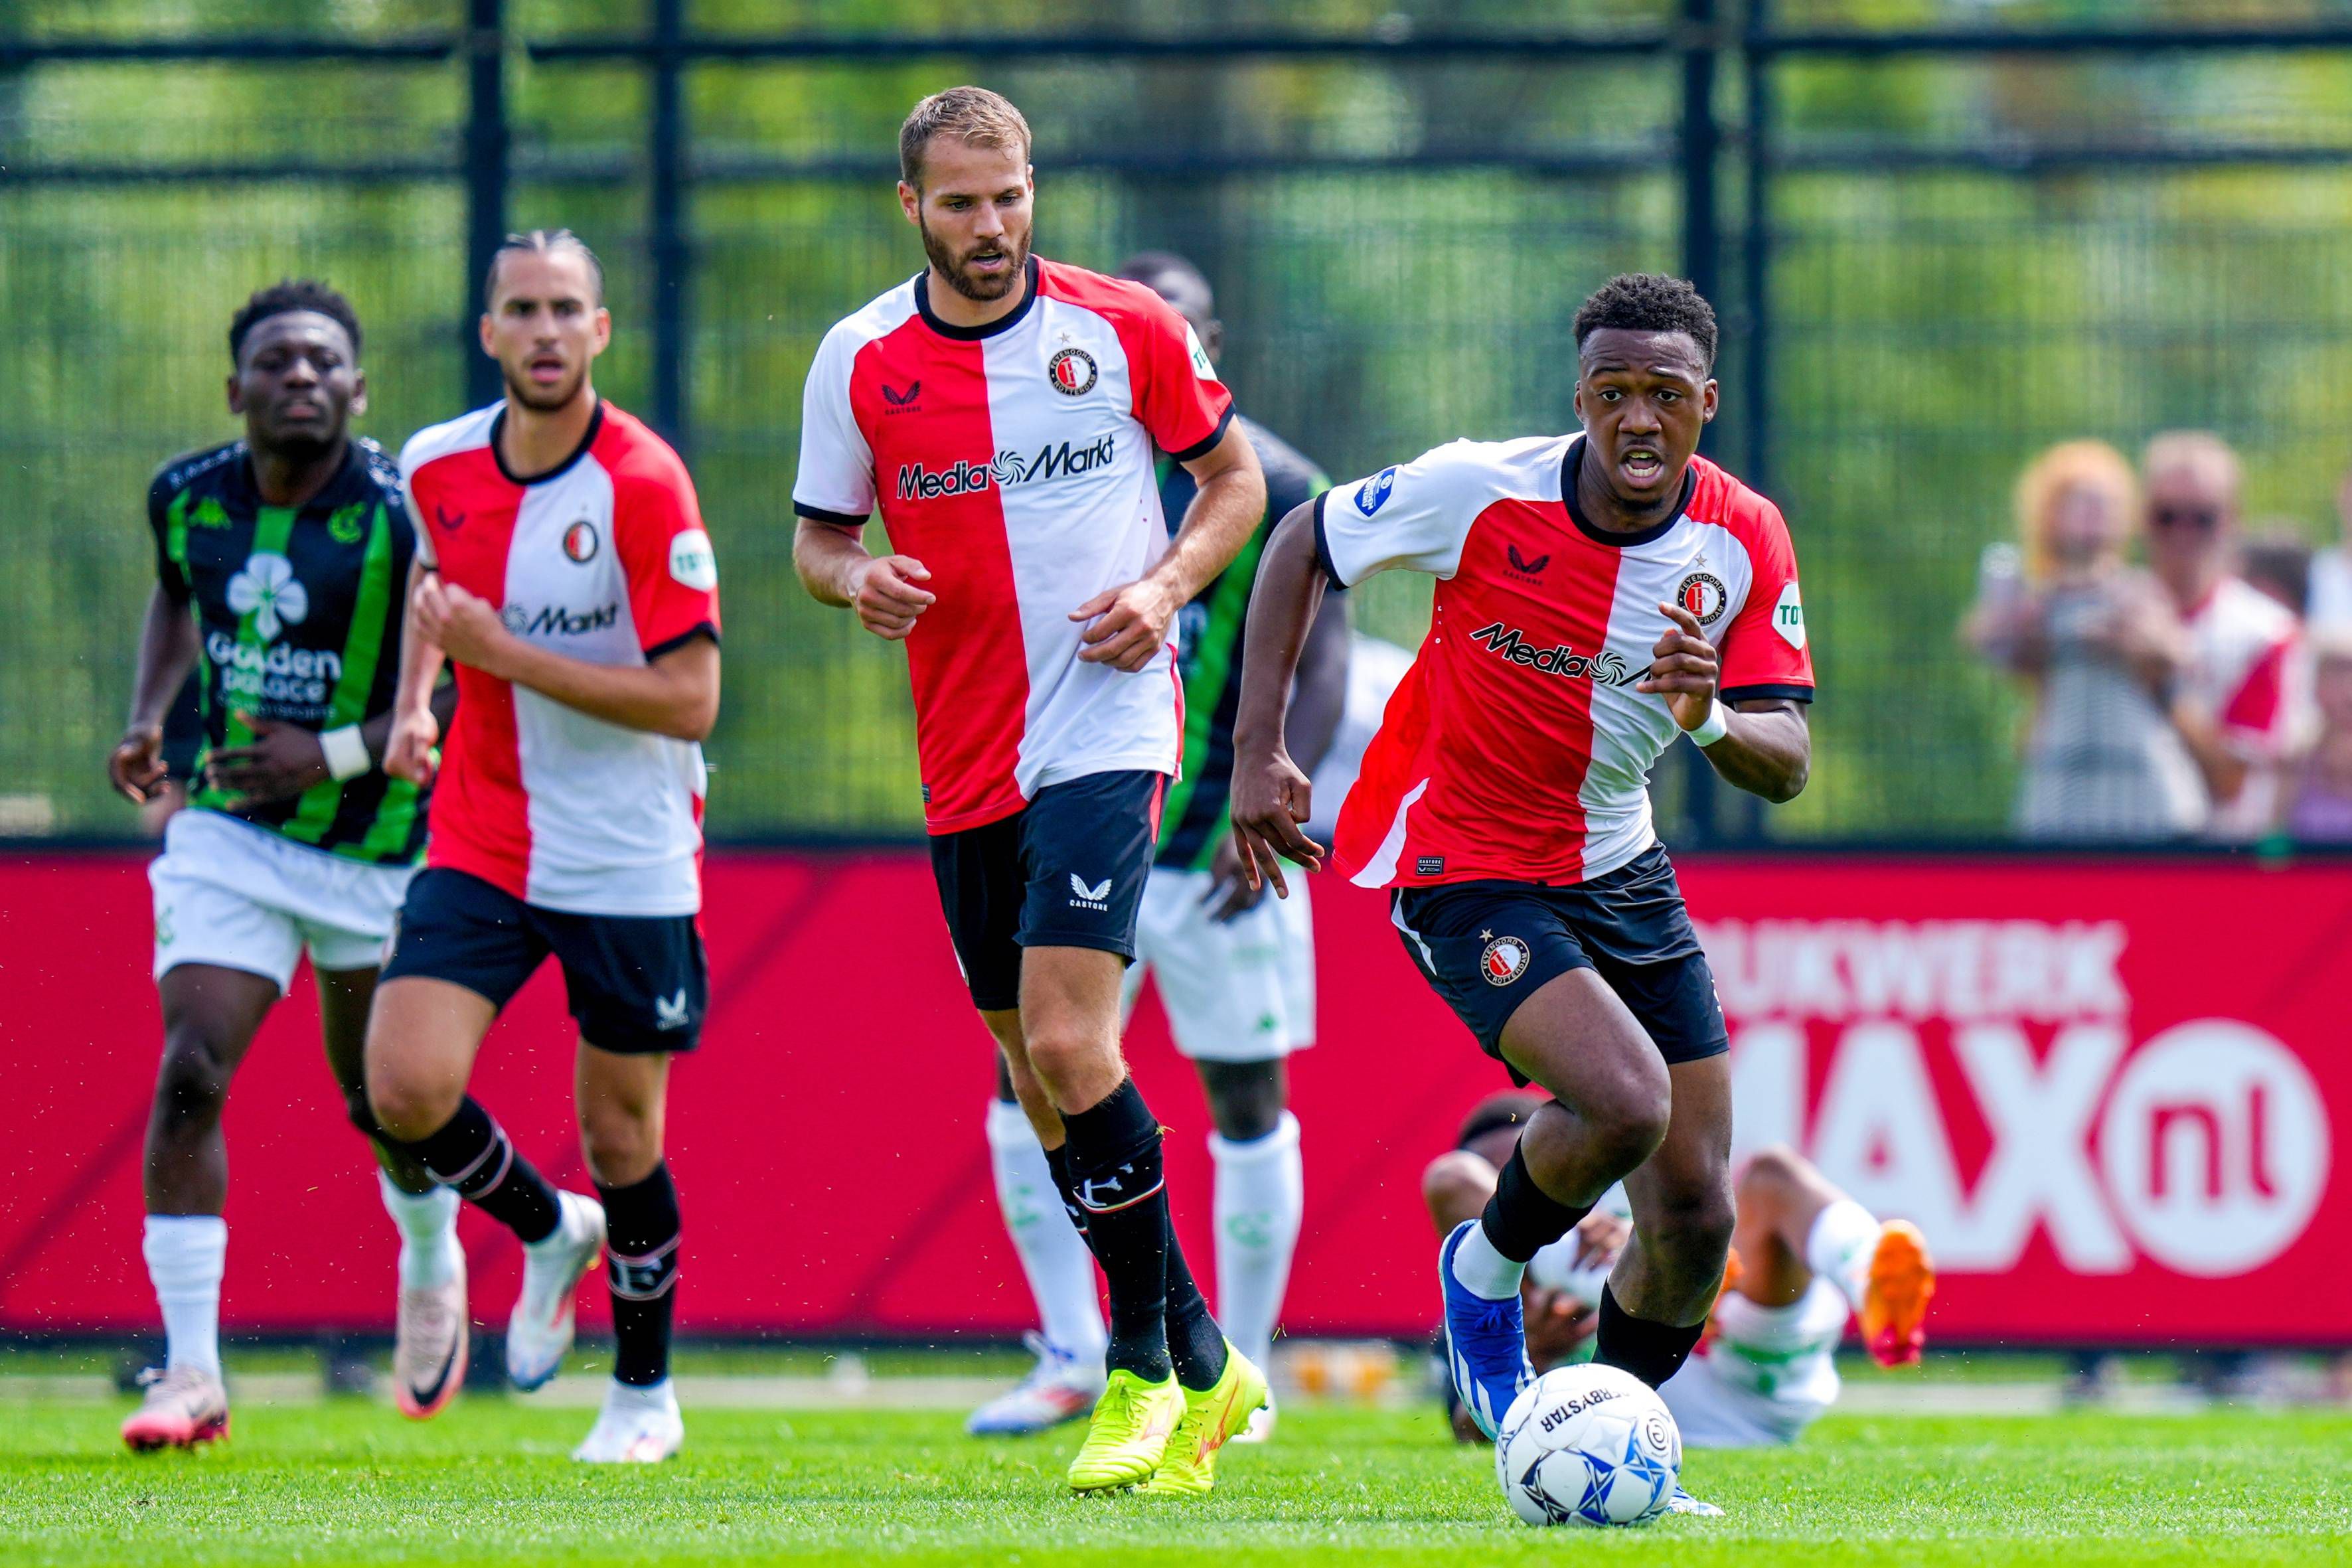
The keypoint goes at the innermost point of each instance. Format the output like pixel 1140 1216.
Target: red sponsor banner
pixel 2108 1092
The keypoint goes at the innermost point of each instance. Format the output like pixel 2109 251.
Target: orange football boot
pixel 1902 1283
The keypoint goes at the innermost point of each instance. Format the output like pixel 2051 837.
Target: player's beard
pixel 542 400
pixel 950 267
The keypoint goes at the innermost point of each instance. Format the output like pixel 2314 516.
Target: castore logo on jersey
pixel 1604 667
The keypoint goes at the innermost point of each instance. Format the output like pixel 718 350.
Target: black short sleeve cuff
pixel 818 514
pixel 1207 444
pixel 1789 691
pixel 1323 546
pixel 671 645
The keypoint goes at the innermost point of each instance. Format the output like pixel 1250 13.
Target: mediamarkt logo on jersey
pixel 1604 667
pixel 1007 469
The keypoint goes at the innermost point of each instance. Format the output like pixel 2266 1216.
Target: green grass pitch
pixel 349 1482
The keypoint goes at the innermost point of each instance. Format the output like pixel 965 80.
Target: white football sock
pixel 619 1395
pixel 1060 1270
pixel 1482 1270
pixel 1261 1193
pixel 1839 1247
pixel 429 1255
pixel 185 1255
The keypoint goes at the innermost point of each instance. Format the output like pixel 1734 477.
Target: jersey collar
pixel 587 439
pixel 1569 462
pixel 1003 323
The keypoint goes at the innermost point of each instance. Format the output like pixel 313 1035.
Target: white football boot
pixel 539 1334
pixel 636 1427
pixel 1060 1387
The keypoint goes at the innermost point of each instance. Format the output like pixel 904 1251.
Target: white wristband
pixel 1717 725
pixel 347 754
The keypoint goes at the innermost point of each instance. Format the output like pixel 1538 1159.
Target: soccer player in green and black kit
pixel 281 562
pixel 1236 969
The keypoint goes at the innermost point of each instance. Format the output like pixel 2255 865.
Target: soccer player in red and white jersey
pixel 1002 412
pixel 2243 696
pixel 570 581
pixel 1599 594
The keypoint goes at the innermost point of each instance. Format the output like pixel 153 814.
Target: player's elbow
pixel 1791 782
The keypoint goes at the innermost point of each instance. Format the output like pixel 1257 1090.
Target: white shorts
pixel 241 897
pixel 1770 1372
pixel 1240 991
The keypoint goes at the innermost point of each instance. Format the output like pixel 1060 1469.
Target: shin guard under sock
pixel 641 1237
pixel 1195 1344
pixel 1521 1219
pixel 1650 1352
pixel 1119 1180
pixel 472 1152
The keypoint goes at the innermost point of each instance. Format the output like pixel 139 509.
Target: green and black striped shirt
pixel 298 617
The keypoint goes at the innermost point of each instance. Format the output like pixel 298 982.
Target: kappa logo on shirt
pixel 1507 643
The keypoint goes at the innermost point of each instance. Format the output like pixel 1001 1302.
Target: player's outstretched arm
pixel 167 652
pixel 835 569
pixel 1270 793
pixel 1131 622
pixel 1762 745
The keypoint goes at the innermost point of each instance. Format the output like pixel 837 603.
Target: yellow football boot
pixel 1128 1433
pixel 1212 1418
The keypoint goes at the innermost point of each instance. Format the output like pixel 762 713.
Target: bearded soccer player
pixel 279 560
pixel 1599 594
pixel 565 572
pixel 1004 411
pixel 1236 970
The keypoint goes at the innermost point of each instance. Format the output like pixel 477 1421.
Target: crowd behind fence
pixel 1936 250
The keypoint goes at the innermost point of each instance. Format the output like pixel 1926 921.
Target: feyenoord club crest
pixel 1505 959
pixel 1072 372
pixel 1705 597
pixel 580 542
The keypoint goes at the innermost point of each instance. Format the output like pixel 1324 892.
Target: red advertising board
pixel 2109 1091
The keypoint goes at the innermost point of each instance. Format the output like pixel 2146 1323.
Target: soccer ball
pixel 1588 1445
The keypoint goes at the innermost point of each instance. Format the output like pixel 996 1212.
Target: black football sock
pixel 1195 1344
pixel 1650 1352
pixel 1118 1178
pixel 472 1152
pixel 1520 1220
pixel 1057 1161
pixel 641 1234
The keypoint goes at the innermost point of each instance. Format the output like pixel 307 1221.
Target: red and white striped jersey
pixel 1016 462
pixel 2245 667
pixel 602 560
pixel 1517 748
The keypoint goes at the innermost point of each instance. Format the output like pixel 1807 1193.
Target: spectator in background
pixel 2275 561
pixel 2319 802
pixel 2328 602
pixel 2101 642
pixel 2243 696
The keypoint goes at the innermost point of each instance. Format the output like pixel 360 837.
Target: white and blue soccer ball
pixel 1588 1445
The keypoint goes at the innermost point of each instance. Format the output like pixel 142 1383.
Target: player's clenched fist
pixel 883 590
pixel 1270 798
pixel 463 625
pixel 1682 669
pixel 409 751
pixel 135 766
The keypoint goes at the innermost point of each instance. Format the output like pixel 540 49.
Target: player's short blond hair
pixel 2200 450
pixel 972 115
pixel 2070 466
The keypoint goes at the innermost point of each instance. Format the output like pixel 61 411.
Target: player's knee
pixel 622 1146
pixel 1770 1169
pixel 1691 1230
pixel 1064 1060
pixel 192 1083
pixel 1627 1125
pixel 1456 1185
pixel 358 1112
pixel 406 1109
pixel 1246 1098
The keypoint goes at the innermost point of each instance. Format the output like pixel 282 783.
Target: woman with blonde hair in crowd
pixel 2065 609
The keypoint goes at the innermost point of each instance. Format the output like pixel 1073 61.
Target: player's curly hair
pixel 284 297
pixel 1649 302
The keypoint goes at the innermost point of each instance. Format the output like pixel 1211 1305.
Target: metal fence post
pixel 488 150
pixel 1702 264
pixel 672 252
pixel 1756 258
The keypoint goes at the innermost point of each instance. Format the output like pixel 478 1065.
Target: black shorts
pixel 1486 947
pixel 1065 870
pixel 636 983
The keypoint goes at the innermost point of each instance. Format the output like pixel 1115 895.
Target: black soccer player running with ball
pixel 1599 594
